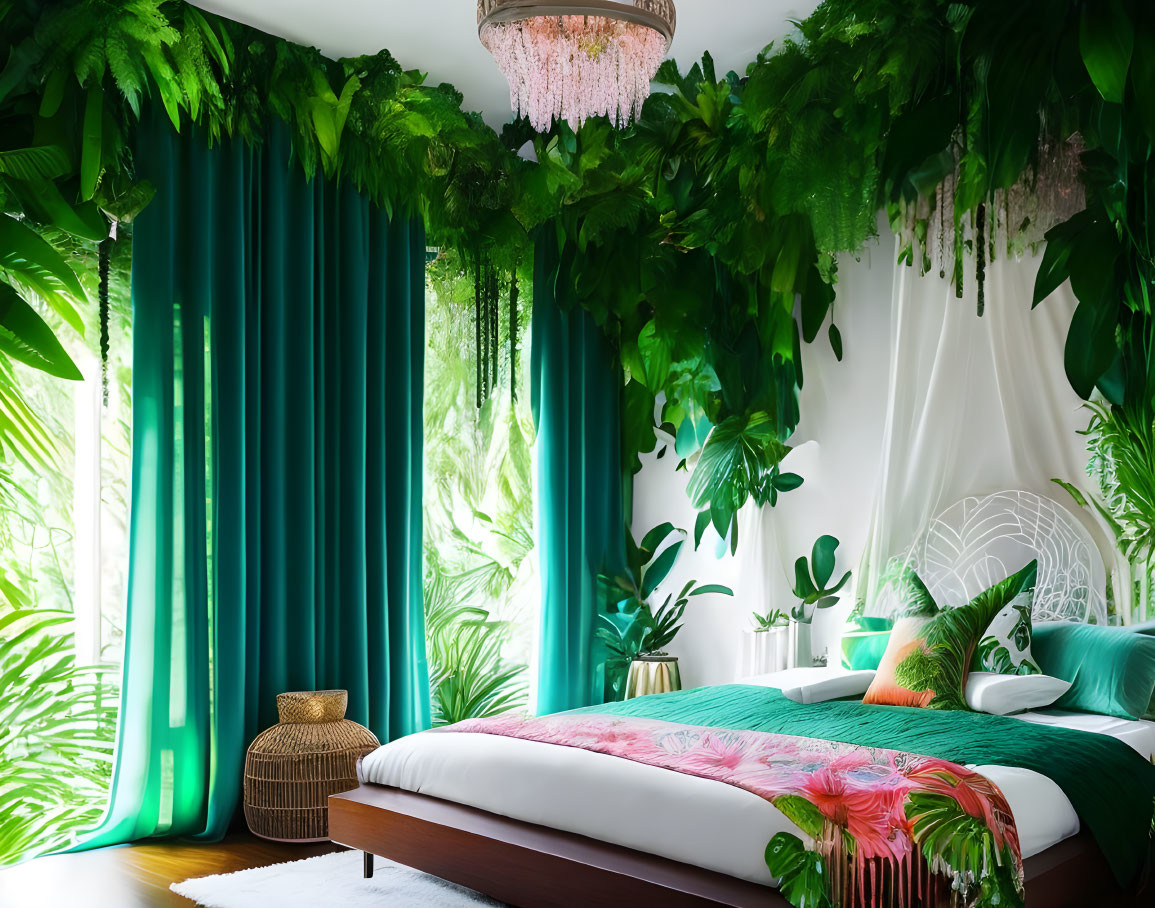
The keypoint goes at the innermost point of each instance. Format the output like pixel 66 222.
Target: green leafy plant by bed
pixel 636 624
pixel 812 580
pixel 57 723
pixel 1121 444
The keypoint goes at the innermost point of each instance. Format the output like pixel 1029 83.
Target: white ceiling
pixel 440 36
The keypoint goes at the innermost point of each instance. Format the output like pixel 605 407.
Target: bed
pixel 531 823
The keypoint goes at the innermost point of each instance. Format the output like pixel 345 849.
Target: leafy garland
pixel 703 238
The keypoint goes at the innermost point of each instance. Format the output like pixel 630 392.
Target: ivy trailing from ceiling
pixel 75 75
pixel 703 239
pixel 489 285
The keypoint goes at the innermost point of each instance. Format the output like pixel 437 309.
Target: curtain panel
pixel 277 470
pixel 974 405
pixel 576 399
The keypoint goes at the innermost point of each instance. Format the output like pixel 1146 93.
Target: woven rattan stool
pixel 293 767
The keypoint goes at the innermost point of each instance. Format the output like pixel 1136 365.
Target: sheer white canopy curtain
pixel 931 404
pixel 974 405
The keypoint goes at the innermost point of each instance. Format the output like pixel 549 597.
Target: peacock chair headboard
pixel 979 541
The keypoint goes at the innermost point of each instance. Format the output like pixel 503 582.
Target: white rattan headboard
pixel 977 542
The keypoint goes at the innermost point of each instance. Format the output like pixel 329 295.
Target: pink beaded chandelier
pixel 574 60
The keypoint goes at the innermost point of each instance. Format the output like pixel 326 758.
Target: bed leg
pixel 368 864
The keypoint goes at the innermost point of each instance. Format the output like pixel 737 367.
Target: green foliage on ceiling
pixel 702 238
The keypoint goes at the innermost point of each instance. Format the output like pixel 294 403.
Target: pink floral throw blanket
pixel 886 828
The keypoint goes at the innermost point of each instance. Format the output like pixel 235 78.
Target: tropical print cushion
pixel 930 650
pixel 1005 648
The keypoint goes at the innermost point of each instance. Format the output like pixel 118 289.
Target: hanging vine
pixel 513 345
pixel 487 327
pixel 105 249
pixel 479 347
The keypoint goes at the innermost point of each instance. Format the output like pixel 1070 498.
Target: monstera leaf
pixel 811 580
pixel 801 873
pixel 947 834
pixel 739 461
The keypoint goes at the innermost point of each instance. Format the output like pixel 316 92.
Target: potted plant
pixel 811 579
pixel 636 629
pixel 765 645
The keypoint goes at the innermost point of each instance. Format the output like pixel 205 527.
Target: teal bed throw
pixel 1110 785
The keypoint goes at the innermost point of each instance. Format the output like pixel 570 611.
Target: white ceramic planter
pixel 763 651
pixel 801 645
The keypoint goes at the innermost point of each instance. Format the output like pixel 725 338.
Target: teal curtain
pixel 277 471
pixel 576 398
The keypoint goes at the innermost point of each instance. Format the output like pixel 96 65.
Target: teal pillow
pixel 864 649
pixel 1111 670
pixel 1147 627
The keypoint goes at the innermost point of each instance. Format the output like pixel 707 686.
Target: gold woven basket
pixel 293 767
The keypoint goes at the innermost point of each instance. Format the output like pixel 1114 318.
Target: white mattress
pixel 685 818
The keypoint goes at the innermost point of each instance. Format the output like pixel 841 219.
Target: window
pixel 482 595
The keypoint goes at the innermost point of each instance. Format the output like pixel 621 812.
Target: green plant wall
pixel 702 238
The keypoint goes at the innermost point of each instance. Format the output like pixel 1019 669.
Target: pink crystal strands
pixel 575 67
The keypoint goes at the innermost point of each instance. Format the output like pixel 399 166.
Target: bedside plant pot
pixel 763 651
pixel 653 674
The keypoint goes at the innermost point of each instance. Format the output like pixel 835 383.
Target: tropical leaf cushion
pixel 930 650
pixel 1005 648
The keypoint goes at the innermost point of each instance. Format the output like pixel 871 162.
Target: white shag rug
pixel 330 879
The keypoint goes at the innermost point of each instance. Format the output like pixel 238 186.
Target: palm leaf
pixel 31 261
pixel 41 162
pixel 25 337
pixel 57 721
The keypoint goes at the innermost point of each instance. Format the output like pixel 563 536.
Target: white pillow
pixel 1005 646
pixel 815 684
pixel 1001 695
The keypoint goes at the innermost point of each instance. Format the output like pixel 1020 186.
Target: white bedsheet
pixel 685 818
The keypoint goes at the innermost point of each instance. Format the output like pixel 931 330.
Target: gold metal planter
pixel 653 674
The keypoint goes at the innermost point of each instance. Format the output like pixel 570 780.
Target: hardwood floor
pixel 137 876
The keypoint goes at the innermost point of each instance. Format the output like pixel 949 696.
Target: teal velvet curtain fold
pixel 277 470
pixel 576 398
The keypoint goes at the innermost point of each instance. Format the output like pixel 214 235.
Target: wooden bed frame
pixel 533 866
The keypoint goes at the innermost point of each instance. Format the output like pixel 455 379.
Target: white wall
pixel 837 449
pixel 929 405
